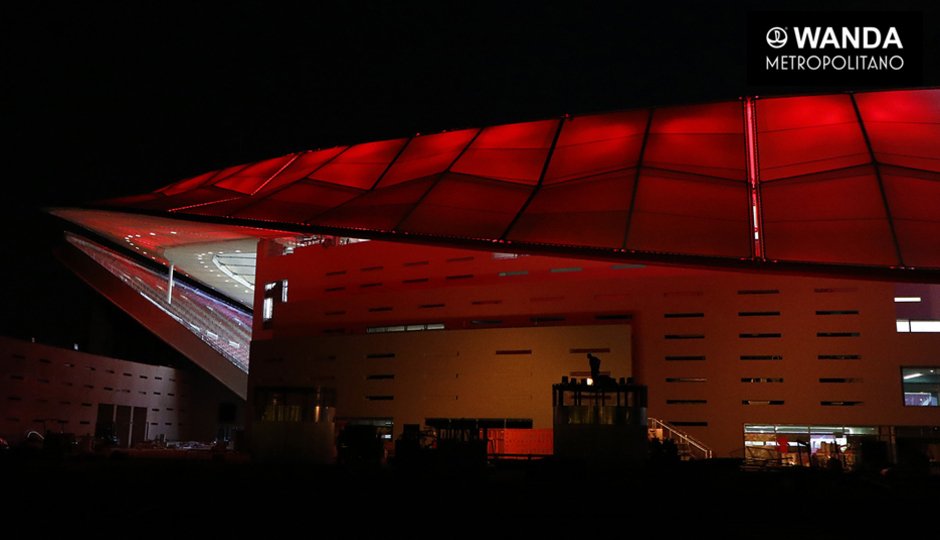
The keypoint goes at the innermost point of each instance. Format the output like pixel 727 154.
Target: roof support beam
pixel 881 187
pixel 538 185
pixel 436 181
pixel 636 177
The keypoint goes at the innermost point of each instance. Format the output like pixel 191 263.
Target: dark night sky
pixel 103 101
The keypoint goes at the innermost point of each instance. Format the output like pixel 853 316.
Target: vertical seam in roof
pixel 215 180
pixel 208 182
pixel 392 162
pixel 538 184
pixel 276 173
pixel 436 181
pixel 255 200
pixel 755 204
pixel 881 188
pixel 197 205
pixel 636 177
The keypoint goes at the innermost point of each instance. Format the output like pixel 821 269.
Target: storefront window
pixel 807 446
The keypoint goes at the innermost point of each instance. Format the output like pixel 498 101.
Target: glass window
pixel 807 446
pixel 267 312
pixel 921 386
pixel 274 292
pixel 292 404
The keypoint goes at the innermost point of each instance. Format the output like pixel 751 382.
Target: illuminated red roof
pixel 840 180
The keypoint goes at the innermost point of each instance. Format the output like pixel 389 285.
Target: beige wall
pixel 43 387
pixel 494 373
pixel 345 289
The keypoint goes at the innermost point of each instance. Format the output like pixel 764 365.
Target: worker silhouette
pixel 595 368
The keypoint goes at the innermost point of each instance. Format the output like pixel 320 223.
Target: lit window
pixel 274 292
pixel 404 328
pixel 921 386
pixel 507 256
pixel 267 312
pixel 927 327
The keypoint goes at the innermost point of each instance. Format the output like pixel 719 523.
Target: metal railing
pixel 697 449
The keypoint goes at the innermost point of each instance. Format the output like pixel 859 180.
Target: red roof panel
pixel 381 209
pixel 807 135
pixel 596 144
pixel 195 182
pixel 298 202
pixel 591 212
pixel 302 167
pixel 912 196
pixel 360 166
pixel 681 213
pixel 427 155
pixel 836 217
pixel 512 153
pixel 904 127
pixel 706 140
pixel 468 207
pixel 248 179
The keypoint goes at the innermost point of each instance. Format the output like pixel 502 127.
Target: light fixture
pixel 907 299
pixel 912 376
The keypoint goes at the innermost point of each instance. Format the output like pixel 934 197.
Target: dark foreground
pixel 116 498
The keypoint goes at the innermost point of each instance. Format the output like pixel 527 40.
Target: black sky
pixel 109 100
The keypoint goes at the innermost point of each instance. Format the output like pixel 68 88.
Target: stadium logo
pixel 867 37
pixel 835 48
pixel 776 37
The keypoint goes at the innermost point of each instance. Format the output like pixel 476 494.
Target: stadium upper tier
pixel 221 326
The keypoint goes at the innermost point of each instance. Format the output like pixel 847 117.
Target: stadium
pixel 762 265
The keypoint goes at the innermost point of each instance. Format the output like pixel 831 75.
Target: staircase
pixel 689 447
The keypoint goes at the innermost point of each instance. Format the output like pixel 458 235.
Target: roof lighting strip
pixel 753 175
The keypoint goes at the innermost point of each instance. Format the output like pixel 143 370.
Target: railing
pixel 696 448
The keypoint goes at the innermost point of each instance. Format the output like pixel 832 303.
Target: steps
pixel 689 448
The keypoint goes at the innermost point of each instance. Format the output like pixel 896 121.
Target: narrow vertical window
pixel 274 292
pixel 268 312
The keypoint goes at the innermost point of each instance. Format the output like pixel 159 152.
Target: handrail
pixel 683 437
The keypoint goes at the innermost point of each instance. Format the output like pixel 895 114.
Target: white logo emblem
pixel 776 37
